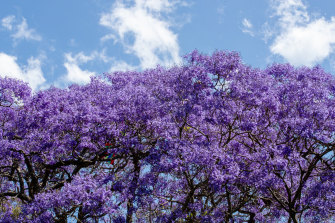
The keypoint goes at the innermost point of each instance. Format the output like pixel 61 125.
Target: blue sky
pixel 62 42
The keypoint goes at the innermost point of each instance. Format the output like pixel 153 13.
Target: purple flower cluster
pixel 210 141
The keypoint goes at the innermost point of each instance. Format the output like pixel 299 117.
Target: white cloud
pixel 102 56
pixel 156 5
pixel 151 39
pixel 80 57
pixel 267 32
pixel 246 23
pixel 108 37
pixel 74 73
pixel 7 22
pixel 23 32
pixel 306 45
pixel 247 27
pixel 290 12
pixel 301 40
pixel 121 66
pixel 19 30
pixel 31 73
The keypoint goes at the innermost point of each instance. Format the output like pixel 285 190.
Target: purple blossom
pixel 210 141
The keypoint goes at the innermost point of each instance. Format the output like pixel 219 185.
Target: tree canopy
pixel 213 140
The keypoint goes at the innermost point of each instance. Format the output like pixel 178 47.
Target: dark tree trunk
pixel 132 190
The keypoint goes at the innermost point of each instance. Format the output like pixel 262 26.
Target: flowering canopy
pixel 210 141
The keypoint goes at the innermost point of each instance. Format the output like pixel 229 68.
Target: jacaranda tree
pixel 210 141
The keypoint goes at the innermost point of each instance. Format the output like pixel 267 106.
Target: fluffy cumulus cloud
pixel 19 29
pixel 302 40
pixel 31 73
pixel 74 73
pixel 141 28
